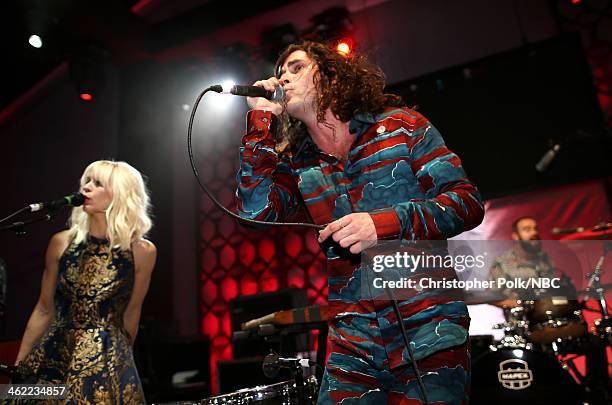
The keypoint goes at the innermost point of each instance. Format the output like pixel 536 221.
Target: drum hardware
pixel 568 364
pixel 596 290
pixel 283 393
pixel 603 328
pixel 516 327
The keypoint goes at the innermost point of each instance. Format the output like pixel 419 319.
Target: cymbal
pixel 482 297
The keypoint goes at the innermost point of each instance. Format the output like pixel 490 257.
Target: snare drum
pixel 283 393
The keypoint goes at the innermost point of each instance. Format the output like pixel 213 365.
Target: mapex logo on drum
pixel 514 374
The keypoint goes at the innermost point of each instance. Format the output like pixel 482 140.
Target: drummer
pixel 526 260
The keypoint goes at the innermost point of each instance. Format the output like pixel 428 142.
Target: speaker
pixel 173 369
pixel 250 307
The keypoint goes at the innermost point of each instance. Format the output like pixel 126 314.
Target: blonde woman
pixel 96 277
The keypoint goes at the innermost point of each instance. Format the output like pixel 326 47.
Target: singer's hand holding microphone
pixel 260 103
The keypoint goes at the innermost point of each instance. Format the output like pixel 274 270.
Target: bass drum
pixel 511 376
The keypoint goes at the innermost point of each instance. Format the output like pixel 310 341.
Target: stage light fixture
pixel 331 26
pixel 87 70
pixel 344 47
pixel 35 41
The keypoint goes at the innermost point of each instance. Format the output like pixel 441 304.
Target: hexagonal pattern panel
pixel 237 260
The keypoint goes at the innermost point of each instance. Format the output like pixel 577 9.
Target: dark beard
pixel 531 246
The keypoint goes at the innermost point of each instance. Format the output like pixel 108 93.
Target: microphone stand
pixel 595 290
pixel 19 226
pixel 407 345
pixel 405 339
pixel 2 293
pixel 298 376
pixel 271 368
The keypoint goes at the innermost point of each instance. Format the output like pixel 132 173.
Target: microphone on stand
pixel 73 200
pixel 548 157
pixel 562 231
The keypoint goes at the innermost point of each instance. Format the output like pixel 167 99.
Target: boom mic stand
pixel 596 290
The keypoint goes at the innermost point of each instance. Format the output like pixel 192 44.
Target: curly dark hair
pixel 346 84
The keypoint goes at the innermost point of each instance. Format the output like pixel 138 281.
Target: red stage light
pixel 576 1
pixel 344 48
pixel 86 96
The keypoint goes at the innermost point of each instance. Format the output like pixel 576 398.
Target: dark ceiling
pixel 122 30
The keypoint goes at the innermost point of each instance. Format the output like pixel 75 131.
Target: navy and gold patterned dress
pixel 87 347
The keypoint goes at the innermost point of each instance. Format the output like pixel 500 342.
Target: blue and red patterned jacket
pixel 400 171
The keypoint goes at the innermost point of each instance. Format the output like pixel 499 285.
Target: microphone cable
pixel 218 89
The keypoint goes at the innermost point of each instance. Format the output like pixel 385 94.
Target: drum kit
pixel 534 361
pixel 526 366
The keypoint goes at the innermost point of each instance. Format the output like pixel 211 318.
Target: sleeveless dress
pixel 86 347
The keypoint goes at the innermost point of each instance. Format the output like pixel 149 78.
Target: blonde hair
pixel 127 215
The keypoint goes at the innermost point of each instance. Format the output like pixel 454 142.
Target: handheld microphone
pixel 254 91
pixel 74 200
pixel 273 363
pixel 547 159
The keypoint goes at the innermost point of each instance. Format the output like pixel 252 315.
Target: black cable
pixel 219 89
pixel 400 321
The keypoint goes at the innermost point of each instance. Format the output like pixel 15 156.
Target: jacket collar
pixel 358 125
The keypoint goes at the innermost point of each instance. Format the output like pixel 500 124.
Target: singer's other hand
pixel 355 232
pixel 260 103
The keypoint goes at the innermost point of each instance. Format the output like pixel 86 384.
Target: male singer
pixel 368 169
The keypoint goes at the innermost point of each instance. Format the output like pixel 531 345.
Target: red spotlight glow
pixel 576 1
pixel 86 96
pixel 344 48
